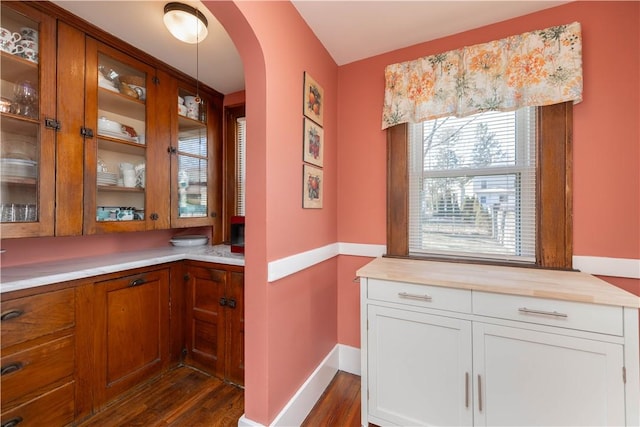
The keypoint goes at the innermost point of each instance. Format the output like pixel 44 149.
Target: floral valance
pixel 532 69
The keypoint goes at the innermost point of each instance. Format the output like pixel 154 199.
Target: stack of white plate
pixel 18 167
pixel 107 178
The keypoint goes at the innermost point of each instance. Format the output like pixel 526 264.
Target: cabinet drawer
pixel 436 297
pixel 565 314
pixel 55 408
pixel 24 319
pixel 26 373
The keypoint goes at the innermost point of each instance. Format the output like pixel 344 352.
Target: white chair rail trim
pixel 283 267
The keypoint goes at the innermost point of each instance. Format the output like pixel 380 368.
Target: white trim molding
pixel 283 267
pixel 341 357
pixel 602 266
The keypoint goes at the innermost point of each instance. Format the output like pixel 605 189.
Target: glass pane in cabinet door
pixel 19 126
pixel 192 173
pixel 122 153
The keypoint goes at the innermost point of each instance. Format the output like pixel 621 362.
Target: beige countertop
pixel 554 284
pixel 40 274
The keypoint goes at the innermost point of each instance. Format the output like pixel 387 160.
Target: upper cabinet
pixel 132 145
pixel 193 160
pixel 27 110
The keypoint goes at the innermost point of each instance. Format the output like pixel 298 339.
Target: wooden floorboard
pixel 186 397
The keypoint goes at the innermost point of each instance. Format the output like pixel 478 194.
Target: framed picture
pixel 313 99
pixel 313 145
pixel 312 187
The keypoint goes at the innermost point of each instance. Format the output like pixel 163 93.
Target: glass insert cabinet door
pixel 27 127
pixel 116 161
pixel 191 187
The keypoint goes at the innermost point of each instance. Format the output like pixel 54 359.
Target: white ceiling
pixel 350 30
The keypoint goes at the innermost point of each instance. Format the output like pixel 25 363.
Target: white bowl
pixel 189 240
pixel 109 125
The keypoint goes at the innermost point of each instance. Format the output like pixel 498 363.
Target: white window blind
pixel 472 186
pixel 240 165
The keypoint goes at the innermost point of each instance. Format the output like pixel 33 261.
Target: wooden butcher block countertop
pixel 533 282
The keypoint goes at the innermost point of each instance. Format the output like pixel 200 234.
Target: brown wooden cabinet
pixel 27 157
pixel 112 106
pixel 215 319
pixel 38 359
pixel 131 327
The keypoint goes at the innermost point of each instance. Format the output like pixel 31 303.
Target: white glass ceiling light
pixel 186 23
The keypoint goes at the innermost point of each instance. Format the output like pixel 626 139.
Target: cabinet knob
pixel 10 368
pixel 136 282
pixel 231 303
pixel 11 314
pixel 12 422
pixel 223 301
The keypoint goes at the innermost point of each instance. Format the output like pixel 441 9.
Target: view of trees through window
pixel 472 186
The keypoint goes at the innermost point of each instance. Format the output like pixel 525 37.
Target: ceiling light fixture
pixel 185 22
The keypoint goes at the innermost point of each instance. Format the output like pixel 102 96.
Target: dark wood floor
pixel 190 398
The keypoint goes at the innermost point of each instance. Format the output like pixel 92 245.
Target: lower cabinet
pixel 419 368
pixel 430 358
pixel 214 325
pixel 38 348
pixel 131 323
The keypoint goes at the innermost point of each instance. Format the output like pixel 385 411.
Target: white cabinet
pixel 525 377
pixel 419 368
pixel 441 352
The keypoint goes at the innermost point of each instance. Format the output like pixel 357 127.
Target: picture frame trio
pixel 313 144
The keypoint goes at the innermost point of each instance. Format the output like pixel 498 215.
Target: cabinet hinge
pixel 172 150
pixel 624 375
pixel 52 124
pixel 155 80
pixel 86 132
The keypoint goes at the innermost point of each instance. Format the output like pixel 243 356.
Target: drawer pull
pixel 12 314
pixel 424 297
pixel 526 310
pixel 466 389
pixel 12 367
pixel 136 282
pixel 12 422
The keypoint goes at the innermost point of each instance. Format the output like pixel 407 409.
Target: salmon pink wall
pixel 291 324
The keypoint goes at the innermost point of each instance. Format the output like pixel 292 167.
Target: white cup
pixel 7 35
pixel 28 44
pixel 29 54
pixel 29 33
pixel 129 178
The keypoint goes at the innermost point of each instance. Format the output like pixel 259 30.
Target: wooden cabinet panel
pixel 28 318
pixel 54 408
pixel 132 324
pixel 215 319
pixel 234 362
pixel 26 373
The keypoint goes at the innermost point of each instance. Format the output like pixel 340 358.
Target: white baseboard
pixel 343 358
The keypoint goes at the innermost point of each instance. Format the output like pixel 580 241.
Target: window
pixel 436 203
pixel 234 166
pixel 472 186
pixel 240 164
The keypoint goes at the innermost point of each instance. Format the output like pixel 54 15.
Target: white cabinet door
pixel 525 377
pixel 419 368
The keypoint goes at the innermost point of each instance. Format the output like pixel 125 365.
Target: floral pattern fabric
pixel 532 69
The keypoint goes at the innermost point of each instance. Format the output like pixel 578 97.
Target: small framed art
pixel 313 143
pixel 313 99
pixel 312 187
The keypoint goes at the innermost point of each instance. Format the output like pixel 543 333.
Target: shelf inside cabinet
pixel 117 189
pixel 18 124
pixel 187 124
pixel 16 180
pixel 120 146
pixel 123 105
pixel 15 68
